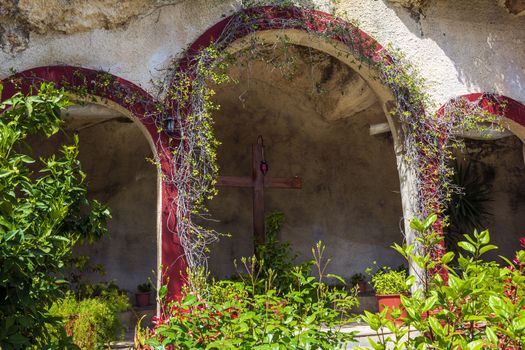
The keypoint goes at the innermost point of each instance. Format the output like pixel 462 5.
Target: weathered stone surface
pixel 18 18
pixel 515 7
pixel 71 16
pixel 410 4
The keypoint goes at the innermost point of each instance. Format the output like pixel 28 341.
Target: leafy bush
pixel 276 256
pixel 481 306
pixel 44 212
pixel 145 287
pixel 357 278
pixel 252 314
pixel 91 322
pixel 388 281
pixel 108 292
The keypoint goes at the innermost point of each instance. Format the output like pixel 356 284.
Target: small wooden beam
pixel 376 129
pixel 283 182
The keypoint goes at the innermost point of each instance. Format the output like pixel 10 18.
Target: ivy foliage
pixel 44 211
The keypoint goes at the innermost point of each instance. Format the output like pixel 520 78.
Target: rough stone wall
pixel 19 18
pixel 515 7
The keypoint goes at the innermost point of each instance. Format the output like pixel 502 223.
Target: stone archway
pixel 351 46
pixel 305 27
pixel 131 101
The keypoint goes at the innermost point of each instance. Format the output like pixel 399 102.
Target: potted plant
pixel 142 296
pixel 389 284
pixel 359 280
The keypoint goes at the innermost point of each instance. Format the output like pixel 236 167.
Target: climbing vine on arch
pixel 183 110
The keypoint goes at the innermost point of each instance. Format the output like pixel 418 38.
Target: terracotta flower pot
pixel 142 299
pixel 391 301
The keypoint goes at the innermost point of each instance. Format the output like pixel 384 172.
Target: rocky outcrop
pixel 410 4
pixel 515 7
pixel 18 18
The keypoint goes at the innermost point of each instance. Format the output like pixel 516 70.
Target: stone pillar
pixel 408 187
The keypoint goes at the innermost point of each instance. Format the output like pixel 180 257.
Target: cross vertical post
pixel 257 182
pixel 258 194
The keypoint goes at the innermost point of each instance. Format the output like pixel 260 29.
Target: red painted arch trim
pixel 500 105
pixel 275 17
pixel 143 107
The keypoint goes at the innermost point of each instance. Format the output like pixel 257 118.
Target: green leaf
pixel 163 291
pixel 491 335
pixel 487 248
pixel 337 277
pixel 18 339
pixel 429 221
pixel 434 324
pixel 467 246
pixel 417 225
pixel 447 258
pixel 475 345
pixel 484 237
pixel 429 303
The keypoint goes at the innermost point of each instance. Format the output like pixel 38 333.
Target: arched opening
pixel 491 176
pixel 114 154
pixel 124 101
pixel 497 165
pixel 316 115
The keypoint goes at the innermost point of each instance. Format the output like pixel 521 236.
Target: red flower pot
pixel 142 299
pixel 391 301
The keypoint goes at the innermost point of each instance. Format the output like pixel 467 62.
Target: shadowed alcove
pixel 113 152
pixel 498 165
pixel 314 114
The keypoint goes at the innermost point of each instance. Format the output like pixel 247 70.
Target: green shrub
pixel 90 322
pixel 44 212
pixel 481 307
pixel 145 287
pixel 276 255
pixel 388 281
pixel 108 292
pixel 357 278
pixel 253 314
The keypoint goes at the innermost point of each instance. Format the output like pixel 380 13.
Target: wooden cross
pixel 258 181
